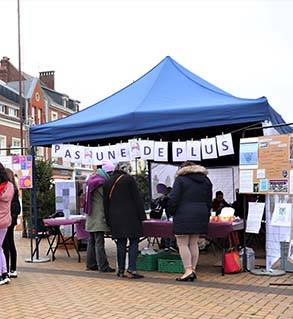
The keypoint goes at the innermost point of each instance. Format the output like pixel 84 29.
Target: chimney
pixel 4 66
pixel 48 79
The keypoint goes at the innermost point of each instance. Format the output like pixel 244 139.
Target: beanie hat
pixel 107 166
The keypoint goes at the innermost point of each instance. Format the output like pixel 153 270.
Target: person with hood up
pixel 124 211
pixel 95 220
pixel 190 203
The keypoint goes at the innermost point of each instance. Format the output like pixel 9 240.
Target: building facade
pixel 42 104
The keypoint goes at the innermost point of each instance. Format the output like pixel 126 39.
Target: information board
pixel 266 164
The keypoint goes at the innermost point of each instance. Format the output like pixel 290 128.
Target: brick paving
pixel 63 289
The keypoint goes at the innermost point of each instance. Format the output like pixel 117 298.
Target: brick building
pixel 42 103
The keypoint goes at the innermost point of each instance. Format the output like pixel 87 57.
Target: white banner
pixel 88 156
pixel 58 150
pixel 147 149
pixel 123 152
pixel 161 152
pixel 225 144
pixel 134 149
pixel 193 150
pixel 209 148
pixel 179 151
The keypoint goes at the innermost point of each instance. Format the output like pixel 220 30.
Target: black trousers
pixel 9 249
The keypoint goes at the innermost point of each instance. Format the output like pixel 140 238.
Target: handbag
pixel 232 262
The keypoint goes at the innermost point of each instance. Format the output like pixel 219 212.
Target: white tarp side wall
pixel 270 130
pixel 224 179
pixel 275 234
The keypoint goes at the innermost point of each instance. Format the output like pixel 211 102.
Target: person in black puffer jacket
pixel 190 203
pixel 8 244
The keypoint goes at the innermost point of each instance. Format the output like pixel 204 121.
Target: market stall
pixel 167 104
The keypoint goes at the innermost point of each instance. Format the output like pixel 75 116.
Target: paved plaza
pixel 63 289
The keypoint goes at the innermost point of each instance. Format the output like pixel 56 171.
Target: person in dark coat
pixel 124 212
pixel 190 203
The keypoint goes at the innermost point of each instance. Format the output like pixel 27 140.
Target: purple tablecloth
pixel 77 221
pixel 158 228
pixel 151 227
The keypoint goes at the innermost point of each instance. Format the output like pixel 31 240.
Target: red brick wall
pixel 7 71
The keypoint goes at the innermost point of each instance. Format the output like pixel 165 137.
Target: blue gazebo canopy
pixel 167 98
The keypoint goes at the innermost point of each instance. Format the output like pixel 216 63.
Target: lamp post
pixel 21 113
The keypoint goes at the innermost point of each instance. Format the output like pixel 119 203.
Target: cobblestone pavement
pixel 63 289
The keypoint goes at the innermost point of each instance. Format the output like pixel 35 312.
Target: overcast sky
pixel 97 47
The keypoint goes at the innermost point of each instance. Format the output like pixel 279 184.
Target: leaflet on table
pixel 255 213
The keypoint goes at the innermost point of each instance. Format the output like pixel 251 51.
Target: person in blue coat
pixel 190 203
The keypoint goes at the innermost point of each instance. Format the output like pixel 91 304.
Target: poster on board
pixel 282 215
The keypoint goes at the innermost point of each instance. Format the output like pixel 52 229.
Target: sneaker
pixel 4 280
pixel 13 274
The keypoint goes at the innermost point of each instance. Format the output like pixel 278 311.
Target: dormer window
pixel 65 100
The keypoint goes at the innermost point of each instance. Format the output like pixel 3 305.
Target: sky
pixel 97 47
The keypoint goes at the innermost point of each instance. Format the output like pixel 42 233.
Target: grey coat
pixel 96 220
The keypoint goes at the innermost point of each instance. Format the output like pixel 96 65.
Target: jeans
pixel 96 255
pixel 132 253
pixel 3 268
pixel 9 249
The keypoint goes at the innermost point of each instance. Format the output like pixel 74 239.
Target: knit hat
pixel 107 166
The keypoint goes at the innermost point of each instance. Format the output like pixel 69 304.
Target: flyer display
pixel 22 167
pixel 269 159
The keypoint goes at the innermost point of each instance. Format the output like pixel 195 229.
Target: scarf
pixel 3 187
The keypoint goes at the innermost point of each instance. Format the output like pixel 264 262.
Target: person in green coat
pixel 95 221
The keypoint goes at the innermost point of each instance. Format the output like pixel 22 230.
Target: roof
pixel 3 99
pixel 58 97
pixel 28 87
pixel 167 98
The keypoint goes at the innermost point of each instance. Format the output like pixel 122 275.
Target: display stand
pixel 268 271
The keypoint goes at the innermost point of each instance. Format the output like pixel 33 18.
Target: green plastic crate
pixel 171 263
pixel 148 262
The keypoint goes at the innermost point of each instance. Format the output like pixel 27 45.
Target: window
pixel 3 144
pixel 15 143
pixel 33 118
pixel 39 116
pixel 2 108
pixel 54 116
pixel 13 112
